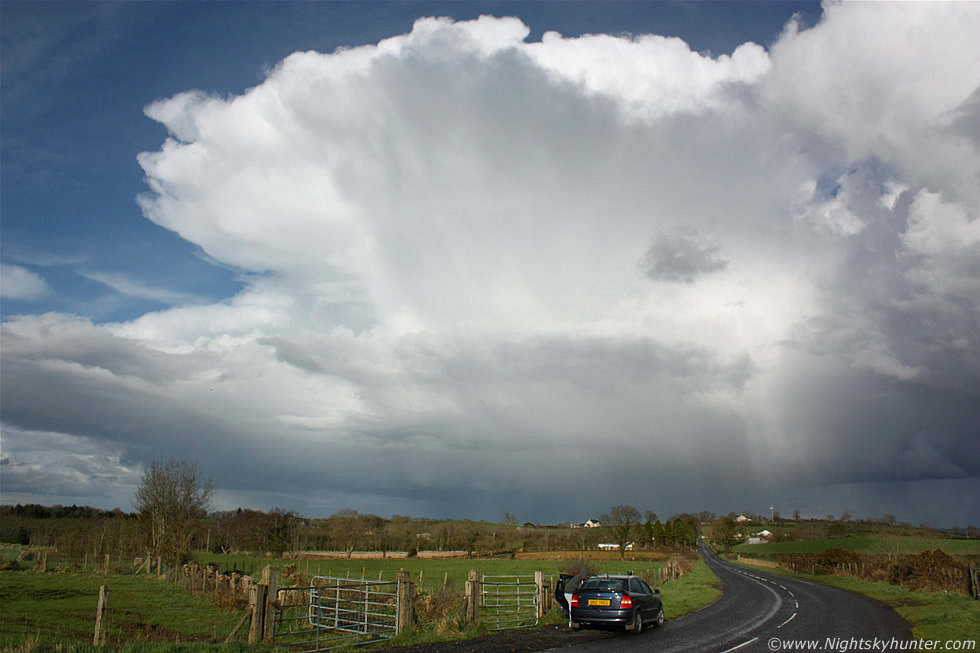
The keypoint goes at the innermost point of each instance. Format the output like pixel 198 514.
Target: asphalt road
pixel 762 612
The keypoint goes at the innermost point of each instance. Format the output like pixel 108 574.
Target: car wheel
pixel 660 617
pixel 637 622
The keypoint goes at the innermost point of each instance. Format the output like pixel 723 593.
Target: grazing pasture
pixel 47 609
pixel 432 574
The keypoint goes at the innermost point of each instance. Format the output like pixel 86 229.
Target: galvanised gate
pixel 510 601
pixel 334 612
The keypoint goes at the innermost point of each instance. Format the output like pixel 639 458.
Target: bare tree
pixel 349 527
pixel 171 499
pixel 623 520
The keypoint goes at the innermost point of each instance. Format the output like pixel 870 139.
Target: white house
pixel 614 547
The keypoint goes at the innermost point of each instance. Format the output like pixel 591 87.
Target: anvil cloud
pixel 474 266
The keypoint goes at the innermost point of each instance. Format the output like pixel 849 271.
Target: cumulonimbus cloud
pixel 451 237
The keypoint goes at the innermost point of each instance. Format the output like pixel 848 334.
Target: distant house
pixel 742 519
pixel 592 523
pixel 614 547
pixel 759 538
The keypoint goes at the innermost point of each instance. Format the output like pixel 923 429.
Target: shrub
pixel 933 571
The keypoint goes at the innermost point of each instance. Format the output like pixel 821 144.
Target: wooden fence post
pixel 105 565
pixel 543 590
pixel 270 578
pixel 256 599
pixel 99 639
pixel 472 597
pixel 405 618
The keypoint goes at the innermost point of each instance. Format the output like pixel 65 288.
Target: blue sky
pixel 729 248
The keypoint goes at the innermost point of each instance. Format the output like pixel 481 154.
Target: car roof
pixel 616 576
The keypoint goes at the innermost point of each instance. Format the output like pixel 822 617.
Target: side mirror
pixel 656 591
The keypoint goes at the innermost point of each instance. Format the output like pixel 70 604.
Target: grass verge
pixel 693 591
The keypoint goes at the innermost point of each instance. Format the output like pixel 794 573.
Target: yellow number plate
pixel 598 601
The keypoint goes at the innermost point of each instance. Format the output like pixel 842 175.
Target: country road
pixel 761 612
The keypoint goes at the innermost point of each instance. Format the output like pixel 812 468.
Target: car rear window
pixel 603 585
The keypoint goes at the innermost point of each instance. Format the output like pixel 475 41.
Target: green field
pixel 885 544
pixel 51 608
pixel 434 572
pixel 8 552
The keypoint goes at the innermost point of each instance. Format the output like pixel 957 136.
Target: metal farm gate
pixel 335 612
pixel 509 601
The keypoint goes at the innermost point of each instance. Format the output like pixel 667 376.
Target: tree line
pixel 171 519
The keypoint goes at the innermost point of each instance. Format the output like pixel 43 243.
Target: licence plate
pixel 598 601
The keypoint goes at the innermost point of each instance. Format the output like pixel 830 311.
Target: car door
pixel 641 594
pixel 656 603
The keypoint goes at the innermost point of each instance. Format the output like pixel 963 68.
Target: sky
pixel 452 260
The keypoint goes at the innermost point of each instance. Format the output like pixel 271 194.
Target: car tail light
pixel 574 600
pixel 626 602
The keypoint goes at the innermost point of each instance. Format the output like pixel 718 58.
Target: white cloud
pixel 943 242
pixel 127 286
pixel 650 76
pixel 17 282
pixel 884 80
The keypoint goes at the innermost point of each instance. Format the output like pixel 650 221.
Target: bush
pixel 932 571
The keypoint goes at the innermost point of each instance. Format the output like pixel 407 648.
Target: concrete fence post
pixel 405 619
